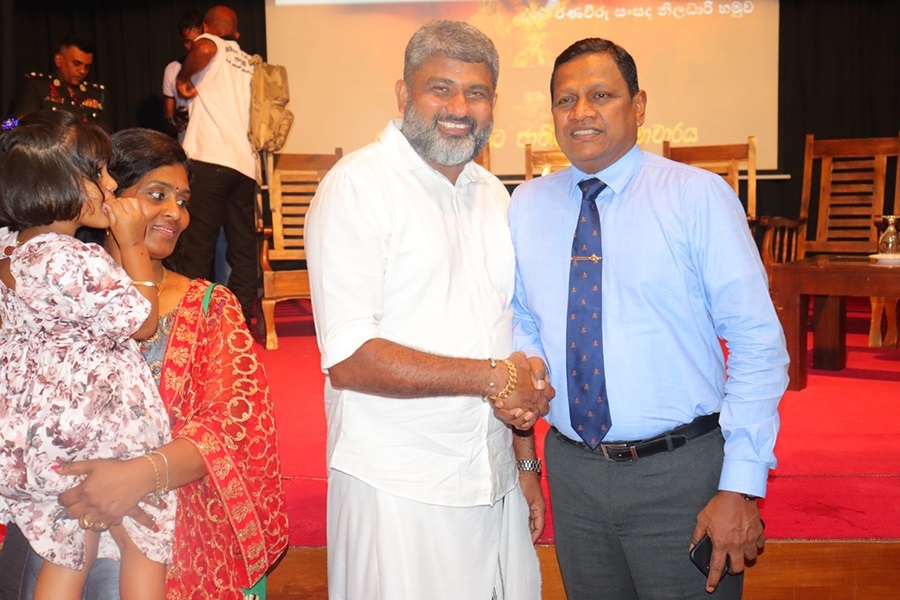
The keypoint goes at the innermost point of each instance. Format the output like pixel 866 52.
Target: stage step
pixel 799 570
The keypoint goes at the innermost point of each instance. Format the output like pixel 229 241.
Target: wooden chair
pixel 845 180
pixel 543 162
pixel 725 160
pixel 781 240
pixel 293 180
pixel 850 193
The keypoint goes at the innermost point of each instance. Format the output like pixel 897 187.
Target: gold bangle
pixel 490 391
pixel 158 491
pixel 152 284
pixel 511 383
pixel 165 462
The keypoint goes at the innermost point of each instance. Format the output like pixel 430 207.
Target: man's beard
pixel 447 151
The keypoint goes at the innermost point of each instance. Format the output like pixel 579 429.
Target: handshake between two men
pixel 526 394
pixel 517 387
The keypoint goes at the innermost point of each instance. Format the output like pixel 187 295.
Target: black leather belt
pixel 665 442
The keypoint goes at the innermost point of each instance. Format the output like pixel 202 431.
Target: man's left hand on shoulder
pixel 732 522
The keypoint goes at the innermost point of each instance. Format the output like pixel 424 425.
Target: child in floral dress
pixel 73 384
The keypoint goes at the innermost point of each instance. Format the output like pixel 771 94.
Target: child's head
pixel 45 165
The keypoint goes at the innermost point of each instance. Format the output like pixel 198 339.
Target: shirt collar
pixel 404 157
pixel 616 176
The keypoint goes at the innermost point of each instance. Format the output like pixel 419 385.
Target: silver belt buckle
pixel 618 447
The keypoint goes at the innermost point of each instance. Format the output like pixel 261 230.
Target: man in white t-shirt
pixel 176 108
pixel 216 78
pixel 412 274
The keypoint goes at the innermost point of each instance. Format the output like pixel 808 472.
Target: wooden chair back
pixel 295 180
pixel 725 160
pixel 781 240
pixel 845 179
pixel 543 162
pixel 292 184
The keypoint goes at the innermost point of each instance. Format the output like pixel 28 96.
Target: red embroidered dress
pixel 231 525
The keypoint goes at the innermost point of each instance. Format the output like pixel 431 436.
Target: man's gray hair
pixel 454 40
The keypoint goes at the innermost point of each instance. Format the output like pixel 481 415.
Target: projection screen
pixel 710 68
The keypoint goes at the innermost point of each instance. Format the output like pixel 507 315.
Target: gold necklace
pixel 162 283
pixel 147 343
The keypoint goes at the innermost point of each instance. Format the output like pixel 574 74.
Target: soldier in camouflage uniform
pixel 66 88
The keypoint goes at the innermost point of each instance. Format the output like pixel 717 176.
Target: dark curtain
pixel 839 77
pixel 134 41
pixel 7 70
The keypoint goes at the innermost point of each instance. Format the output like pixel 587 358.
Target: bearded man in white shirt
pixel 412 274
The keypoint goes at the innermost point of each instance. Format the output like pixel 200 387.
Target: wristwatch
pixel 748 497
pixel 532 464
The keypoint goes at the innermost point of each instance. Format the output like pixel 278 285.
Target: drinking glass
pixel 889 242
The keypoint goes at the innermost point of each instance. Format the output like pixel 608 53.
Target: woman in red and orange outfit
pixel 231 525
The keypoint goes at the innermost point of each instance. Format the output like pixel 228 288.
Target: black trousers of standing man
pixel 222 197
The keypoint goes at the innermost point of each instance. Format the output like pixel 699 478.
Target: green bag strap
pixel 257 592
pixel 207 296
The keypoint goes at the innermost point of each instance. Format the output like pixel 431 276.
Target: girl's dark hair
pixel 44 163
pixel 136 152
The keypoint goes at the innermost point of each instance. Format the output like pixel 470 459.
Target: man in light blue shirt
pixel 679 271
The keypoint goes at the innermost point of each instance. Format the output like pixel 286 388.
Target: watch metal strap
pixel 531 464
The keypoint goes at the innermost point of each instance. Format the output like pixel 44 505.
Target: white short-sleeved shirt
pixel 395 251
pixel 170 89
pixel 220 112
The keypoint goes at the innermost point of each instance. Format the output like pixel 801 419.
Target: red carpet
pixel 838 474
pixel 297 384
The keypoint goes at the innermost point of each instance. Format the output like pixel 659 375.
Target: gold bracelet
pixel 511 383
pixel 158 491
pixel 165 462
pixel 152 284
pixel 490 391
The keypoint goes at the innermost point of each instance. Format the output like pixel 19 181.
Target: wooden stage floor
pixel 799 570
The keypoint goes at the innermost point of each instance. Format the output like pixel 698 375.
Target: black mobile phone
pixel 702 554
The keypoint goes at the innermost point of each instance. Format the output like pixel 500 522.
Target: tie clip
pixel 593 258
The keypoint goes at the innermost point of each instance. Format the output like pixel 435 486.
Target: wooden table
pixel 831 279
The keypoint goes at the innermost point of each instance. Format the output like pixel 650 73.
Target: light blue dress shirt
pixel 680 271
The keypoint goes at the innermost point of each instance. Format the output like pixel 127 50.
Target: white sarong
pixel 383 547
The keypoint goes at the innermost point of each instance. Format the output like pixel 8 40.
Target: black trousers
pixel 222 197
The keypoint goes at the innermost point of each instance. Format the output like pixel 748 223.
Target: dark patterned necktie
pixel 584 353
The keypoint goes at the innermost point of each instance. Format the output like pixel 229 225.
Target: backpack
pixel 270 119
